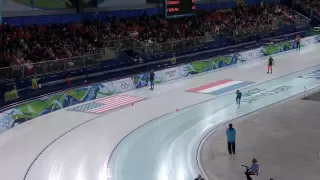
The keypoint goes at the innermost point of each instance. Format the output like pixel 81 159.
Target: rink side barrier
pixel 46 104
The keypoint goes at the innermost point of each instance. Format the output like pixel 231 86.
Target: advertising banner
pixel 310 41
pixel 50 103
pixel 168 74
pixel 141 80
pixel 207 65
pixel 114 87
pixel 250 55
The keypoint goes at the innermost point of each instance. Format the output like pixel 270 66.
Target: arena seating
pixel 311 9
pixel 39 43
pixel 314 4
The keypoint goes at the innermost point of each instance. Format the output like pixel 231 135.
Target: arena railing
pixel 130 43
pixel 178 45
pixel 222 30
pixel 265 30
pixel 172 46
pixel 308 9
pixel 315 13
pixel 291 18
pixel 46 67
pixel 298 19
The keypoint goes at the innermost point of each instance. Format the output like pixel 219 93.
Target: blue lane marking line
pixel 313 75
pixel 230 88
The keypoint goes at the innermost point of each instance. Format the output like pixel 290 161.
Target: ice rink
pixel 156 138
pixel 284 137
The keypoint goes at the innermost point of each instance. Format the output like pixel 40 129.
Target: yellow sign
pixel 11 95
pixel 240 2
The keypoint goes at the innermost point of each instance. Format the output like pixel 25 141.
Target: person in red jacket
pixel 270 64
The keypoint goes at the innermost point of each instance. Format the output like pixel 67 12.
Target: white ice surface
pixel 163 149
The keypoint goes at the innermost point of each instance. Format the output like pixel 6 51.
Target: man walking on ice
pixel 270 64
pixel 238 98
pixel 231 138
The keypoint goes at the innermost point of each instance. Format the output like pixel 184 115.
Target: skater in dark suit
pixel 238 98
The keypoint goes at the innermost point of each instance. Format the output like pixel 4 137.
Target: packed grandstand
pixel 38 43
pixel 37 51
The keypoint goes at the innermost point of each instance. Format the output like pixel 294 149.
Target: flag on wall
pixel 220 87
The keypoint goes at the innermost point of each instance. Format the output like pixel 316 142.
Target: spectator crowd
pixel 39 43
pixel 314 4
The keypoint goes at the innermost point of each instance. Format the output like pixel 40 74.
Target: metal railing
pixel 290 18
pixel 48 67
pixel 308 10
pixel 110 51
pixel 296 15
pixel 122 44
pixel 171 46
pixel 265 30
pixel 184 44
pixel 222 30
pixel 315 13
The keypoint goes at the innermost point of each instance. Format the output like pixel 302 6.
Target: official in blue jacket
pixel 231 138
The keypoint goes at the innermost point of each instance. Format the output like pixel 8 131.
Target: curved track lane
pixel 166 148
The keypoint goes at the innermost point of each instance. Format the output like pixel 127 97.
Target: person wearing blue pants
pixel 238 98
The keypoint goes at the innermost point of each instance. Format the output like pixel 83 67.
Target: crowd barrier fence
pixel 110 51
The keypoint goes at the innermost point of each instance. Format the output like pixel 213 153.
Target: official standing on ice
pixel 231 138
pixel 151 76
pixel 270 64
pixel 298 39
pixel 238 98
